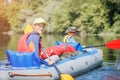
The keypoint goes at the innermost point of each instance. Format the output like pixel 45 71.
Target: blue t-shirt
pixel 35 38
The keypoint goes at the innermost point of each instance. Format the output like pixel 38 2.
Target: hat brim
pixel 67 31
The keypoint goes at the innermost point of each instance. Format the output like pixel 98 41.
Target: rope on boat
pixel 12 74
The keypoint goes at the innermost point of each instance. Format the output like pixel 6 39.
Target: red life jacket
pixel 22 44
pixel 58 50
pixel 23 47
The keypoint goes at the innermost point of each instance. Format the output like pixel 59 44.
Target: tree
pixel 87 15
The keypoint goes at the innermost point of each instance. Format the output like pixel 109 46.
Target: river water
pixel 106 72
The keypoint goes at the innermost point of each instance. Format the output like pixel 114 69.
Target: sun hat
pixel 39 20
pixel 72 29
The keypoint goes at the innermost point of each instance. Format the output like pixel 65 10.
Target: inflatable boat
pixel 74 65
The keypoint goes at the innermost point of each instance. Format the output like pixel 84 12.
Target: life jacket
pixel 59 50
pixel 22 44
pixel 66 38
pixel 23 47
pixel 77 46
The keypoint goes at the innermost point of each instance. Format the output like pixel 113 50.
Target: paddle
pixel 114 44
pixel 28 28
pixel 61 75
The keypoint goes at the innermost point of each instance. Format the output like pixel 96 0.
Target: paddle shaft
pixel 114 44
pixel 94 46
pixel 58 71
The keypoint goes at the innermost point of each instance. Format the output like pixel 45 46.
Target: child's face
pixel 39 28
pixel 72 33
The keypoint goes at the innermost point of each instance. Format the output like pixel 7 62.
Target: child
pixel 69 38
pixel 31 42
pixel 71 33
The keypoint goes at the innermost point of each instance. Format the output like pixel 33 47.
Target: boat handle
pixel 12 74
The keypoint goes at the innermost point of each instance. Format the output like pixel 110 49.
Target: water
pixel 102 73
pixel 106 72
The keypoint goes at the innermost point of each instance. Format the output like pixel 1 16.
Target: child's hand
pixel 50 62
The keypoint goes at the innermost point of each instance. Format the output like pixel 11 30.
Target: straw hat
pixel 72 29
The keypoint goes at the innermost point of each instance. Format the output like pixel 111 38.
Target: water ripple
pixel 102 73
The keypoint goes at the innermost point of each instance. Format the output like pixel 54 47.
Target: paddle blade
pixel 28 28
pixel 66 77
pixel 114 44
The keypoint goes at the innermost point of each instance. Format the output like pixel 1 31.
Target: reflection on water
pixel 4 41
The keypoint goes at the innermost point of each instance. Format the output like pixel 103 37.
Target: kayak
pixel 74 65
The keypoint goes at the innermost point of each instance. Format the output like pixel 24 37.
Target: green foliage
pixel 93 17
pixel 90 16
pixel 116 26
pixel 12 12
pixel 65 15
pixel 113 15
pixel 2 10
pixel 18 12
